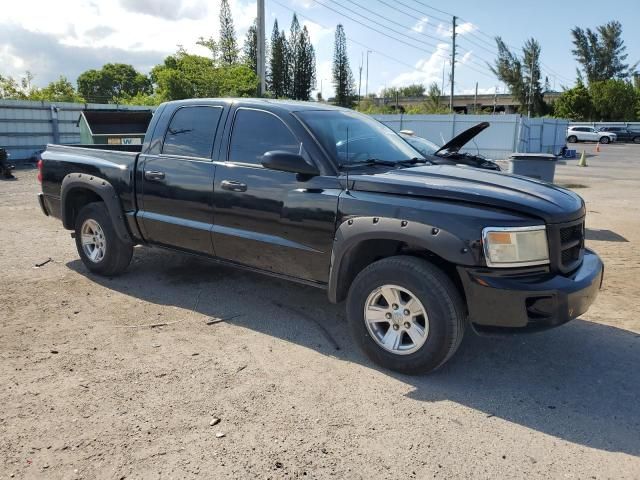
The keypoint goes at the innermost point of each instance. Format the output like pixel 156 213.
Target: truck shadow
pixel 579 383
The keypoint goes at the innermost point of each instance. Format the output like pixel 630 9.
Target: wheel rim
pixel 94 243
pixel 396 320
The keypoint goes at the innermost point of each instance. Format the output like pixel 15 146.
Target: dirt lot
pixel 90 392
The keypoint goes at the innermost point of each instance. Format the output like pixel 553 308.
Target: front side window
pixel 351 137
pixel 255 133
pixel 192 131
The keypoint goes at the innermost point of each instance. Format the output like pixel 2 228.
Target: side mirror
pixel 288 162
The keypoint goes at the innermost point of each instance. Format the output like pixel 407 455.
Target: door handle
pixel 153 175
pixel 233 186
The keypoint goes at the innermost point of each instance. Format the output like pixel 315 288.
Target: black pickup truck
pixel 332 198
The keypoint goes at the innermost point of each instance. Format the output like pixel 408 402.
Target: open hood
pixel 459 141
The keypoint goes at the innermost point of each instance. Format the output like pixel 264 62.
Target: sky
pixel 405 41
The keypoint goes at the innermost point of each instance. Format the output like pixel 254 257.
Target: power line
pixel 392 21
pixel 489 75
pixel 389 57
pixel 377 23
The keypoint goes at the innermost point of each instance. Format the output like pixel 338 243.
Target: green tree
pixel 60 90
pixel 112 83
pixel 522 75
pixel 613 100
pixel 413 90
pixel 184 75
pixel 235 81
pixel 250 48
pixel 278 76
pixel 211 45
pixel 434 99
pixel 342 76
pixel 10 89
pixel 574 104
pixel 302 62
pixel 601 52
pixel 228 44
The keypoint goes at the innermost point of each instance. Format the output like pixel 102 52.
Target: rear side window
pixel 256 132
pixel 192 131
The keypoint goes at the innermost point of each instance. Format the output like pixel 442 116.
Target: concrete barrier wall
pixel 507 133
pixel 26 127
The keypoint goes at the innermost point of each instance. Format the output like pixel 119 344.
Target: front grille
pixel 574 232
pixel 566 245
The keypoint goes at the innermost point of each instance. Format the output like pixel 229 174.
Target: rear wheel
pixel 605 140
pixel 100 248
pixel 572 139
pixel 636 139
pixel 406 314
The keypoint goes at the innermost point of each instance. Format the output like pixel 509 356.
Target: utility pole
pixel 441 99
pixel 360 76
pixel 453 62
pixel 475 100
pixel 366 86
pixel 261 48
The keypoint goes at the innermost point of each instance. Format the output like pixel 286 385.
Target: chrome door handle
pixel 233 186
pixel 153 175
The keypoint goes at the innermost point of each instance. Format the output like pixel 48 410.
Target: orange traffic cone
pixel 598 147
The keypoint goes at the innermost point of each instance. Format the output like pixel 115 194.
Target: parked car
pixel 589 134
pixel 623 134
pixel 331 198
pixel 449 153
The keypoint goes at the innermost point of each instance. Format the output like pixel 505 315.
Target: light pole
pixel 366 87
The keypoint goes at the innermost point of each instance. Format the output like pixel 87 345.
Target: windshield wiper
pixel 368 162
pixel 414 161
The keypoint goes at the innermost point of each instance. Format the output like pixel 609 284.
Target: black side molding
pixel 105 191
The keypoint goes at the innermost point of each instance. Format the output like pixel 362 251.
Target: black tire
pixel 636 139
pixel 437 293
pixel 572 139
pixel 117 253
pixel 604 140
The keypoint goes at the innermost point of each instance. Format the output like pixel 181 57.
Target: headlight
pixel 515 246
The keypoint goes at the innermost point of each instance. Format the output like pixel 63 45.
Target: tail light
pixel 40 163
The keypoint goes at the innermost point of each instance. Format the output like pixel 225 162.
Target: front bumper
pixel 530 302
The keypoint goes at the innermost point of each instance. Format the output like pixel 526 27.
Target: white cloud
pixel 427 70
pixel 420 25
pixel 139 29
pixel 324 78
pixel 316 32
pixel 481 91
pixel 306 4
pixel 445 31
pixel 167 9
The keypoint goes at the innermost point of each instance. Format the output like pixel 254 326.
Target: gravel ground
pixel 93 390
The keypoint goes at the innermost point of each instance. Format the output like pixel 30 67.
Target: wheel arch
pixel 80 189
pixel 364 240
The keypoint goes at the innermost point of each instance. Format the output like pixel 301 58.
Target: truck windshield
pixel 352 138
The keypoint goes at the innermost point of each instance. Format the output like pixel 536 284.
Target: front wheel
pixel 636 139
pixel 406 314
pixel 572 139
pixel 100 248
pixel 605 140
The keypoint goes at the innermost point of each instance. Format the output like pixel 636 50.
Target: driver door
pixel 271 220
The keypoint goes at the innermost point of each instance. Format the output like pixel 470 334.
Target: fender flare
pixel 356 230
pixel 105 191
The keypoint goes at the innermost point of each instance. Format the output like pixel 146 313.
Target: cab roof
pixel 267 103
